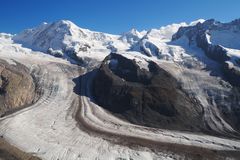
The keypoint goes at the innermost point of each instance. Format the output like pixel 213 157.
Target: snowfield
pixel 66 124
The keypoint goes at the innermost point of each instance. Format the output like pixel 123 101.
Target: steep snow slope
pixel 155 41
pixel 59 35
pixel 132 36
pixel 65 38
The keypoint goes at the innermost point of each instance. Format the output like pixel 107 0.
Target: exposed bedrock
pixel 150 97
pixel 17 87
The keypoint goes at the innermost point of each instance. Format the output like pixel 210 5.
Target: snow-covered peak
pixel 131 37
pixel 65 22
pixel 46 36
pixel 134 31
pixel 165 32
pixel 154 42
pixel 193 23
pixel 64 37
pixel 5 35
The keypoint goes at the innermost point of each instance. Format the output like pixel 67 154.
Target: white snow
pixel 131 37
pixel 66 36
pixel 234 54
pixel 208 38
pixel 196 22
pixel 156 41
pixel 141 60
pixel 165 33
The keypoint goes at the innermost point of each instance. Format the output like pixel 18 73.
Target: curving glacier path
pixel 65 125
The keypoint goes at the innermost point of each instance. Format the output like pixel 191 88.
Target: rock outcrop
pixel 17 87
pixel 150 97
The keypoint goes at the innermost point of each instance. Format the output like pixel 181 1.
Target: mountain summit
pixel 61 37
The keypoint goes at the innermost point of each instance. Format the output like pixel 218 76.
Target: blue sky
pixel 113 16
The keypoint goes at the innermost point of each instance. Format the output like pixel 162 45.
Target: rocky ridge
pixel 17 87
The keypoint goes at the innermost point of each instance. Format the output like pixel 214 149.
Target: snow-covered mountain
pixel 154 42
pixel 219 41
pixel 65 38
pixel 135 91
pixel 132 36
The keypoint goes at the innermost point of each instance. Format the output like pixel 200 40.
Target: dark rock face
pixel 198 34
pixel 231 108
pixel 17 87
pixel 215 52
pixel 148 97
pixel 232 74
